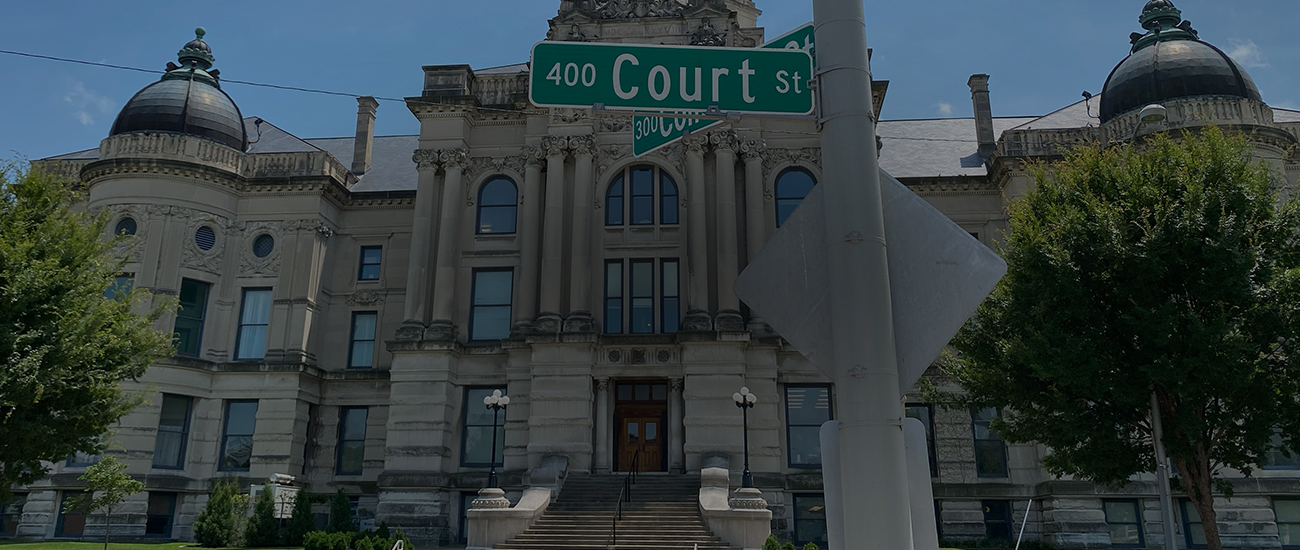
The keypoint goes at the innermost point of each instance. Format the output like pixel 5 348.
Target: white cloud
pixel 1247 53
pixel 86 104
pixel 944 108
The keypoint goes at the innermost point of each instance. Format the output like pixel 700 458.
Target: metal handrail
pixel 628 481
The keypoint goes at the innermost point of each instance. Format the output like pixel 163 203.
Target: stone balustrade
pixel 742 519
pixel 1029 143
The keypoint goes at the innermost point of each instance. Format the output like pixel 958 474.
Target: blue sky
pixel 1041 54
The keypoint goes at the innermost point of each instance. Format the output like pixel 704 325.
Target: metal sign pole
pixel 866 367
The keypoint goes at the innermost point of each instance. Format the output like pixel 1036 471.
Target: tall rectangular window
pixel 69 524
pixel 476 450
pixel 188 330
pixel 643 196
pixel 372 258
pixel 237 436
pixel 361 349
pixel 1193 530
pixel 173 432
pixel 122 285
pixel 642 285
pixel 1287 513
pixel 11 514
pixel 990 450
pixel 614 297
pixel 352 441
pixel 810 520
pixel 997 520
pixel 254 316
pixel 670 300
pixel 806 409
pixel 81 460
pixel 925 413
pixel 1279 456
pixel 1125 520
pixel 490 317
pixel 158 520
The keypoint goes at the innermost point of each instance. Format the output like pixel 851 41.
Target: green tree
pixel 1166 268
pixel 301 522
pixel 341 514
pixel 107 485
pixel 217 525
pixel 63 346
pixel 263 529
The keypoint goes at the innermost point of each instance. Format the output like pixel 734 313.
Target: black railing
pixel 624 495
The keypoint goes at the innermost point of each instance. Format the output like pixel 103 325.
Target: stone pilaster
pixel 755 214
pixel 530 229
pixel 443 325
pixel 550 319
pixel 419 272
pixel 697 229
pixel 602 425
pixel 676 431
pixel 724 147
pixel 580 298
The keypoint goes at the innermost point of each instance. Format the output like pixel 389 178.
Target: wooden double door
pixel 641 428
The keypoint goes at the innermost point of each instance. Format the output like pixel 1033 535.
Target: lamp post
pixel 745 401
pixel 496 402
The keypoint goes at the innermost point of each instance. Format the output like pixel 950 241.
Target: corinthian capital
pixel 555 146
pixel 533 156
pixel 724 141
pixel 582 145
pixel 454 158
pixel 426 160
pixel 753 149
pixel 695 144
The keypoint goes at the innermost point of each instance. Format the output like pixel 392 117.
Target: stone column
pixel 529 240
pixel 724 144
pixel 418 272
pixel 697 229
pixel 755 213
pixel 602 426
pixel 549 320
pixel 443 326
pixel 580 319
pixel 676 431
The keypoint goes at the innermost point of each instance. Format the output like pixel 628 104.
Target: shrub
pixel 771 543
pixel 366 543
pixel 263 529
pixel 811 546
pixel 406 542
pixel 341 515
pixel 787 546
pixel 217 525
pixel 321 540
pixel 301 522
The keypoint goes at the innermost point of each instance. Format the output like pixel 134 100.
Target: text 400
pixel 570 74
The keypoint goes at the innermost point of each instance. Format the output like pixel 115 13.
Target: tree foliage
pixel 263 529
pixel 107 485
pixel 63 346
pixel 1165 268
pixel 341 514
pixel 301 521
pixel 218 525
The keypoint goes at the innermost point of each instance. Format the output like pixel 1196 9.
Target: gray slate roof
pixel 935 147
pixel 391 167
pixel 1078 115
pixel 1285 115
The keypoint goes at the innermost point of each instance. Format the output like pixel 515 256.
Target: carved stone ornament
pixel 615 123
pixel 724 141
pixel 636 9
pixel 707 35
pixel 602 384
pixel 367 298
pixel 615 356
pixel 560 115
pixel 433 159
pixel 638 356
pixel 490 498
pixel 131 248
pixel 676 384
pixel 582 145
pixel 191 255
pixel 747 498
pixel 533 156
pixel 249 263
pixel 555 146
pixel 753 149
pixel 663 356
pixel 478 166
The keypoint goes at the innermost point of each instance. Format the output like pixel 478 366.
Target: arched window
pixel 791 187
pixel 498 202
pixel 126 226
pixel 634 198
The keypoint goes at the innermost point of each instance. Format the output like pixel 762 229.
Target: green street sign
pixel 652 132
pixel 667 78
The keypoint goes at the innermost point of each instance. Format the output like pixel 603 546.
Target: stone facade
pixel 574 383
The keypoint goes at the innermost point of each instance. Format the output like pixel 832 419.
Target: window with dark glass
pixel 498 202
pixel 173 432
pixel 990 450
pixel 1287 513
pixel 806 409
pixel 641 195
pixel 634 299
pixel 810 520
pixel 352 440
pixel 125 226
pixel 237 435
pixel 791 187
pixel 162 508
pixel 263 245
pixel 1193 530
pixel 361 350
pixel 1279 456
pixel 466 502
pixel 1124 517
pixel 122 285
pixel 493 290
pixel 371 258
pixel 997 520
pixel 189 320
pixel 70 524
pixel 476 448
pixel 11 514
pixel 254 317
pixel 81 460
pixel 925 413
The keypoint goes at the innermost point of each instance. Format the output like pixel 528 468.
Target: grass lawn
pixel 14 545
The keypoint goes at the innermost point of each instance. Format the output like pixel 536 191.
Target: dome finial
pixel 1163 22
pixel 199 33
pixel 196 52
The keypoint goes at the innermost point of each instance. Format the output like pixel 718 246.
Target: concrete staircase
pixel 663 514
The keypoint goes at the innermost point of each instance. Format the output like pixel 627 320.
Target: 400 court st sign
pixel 666 78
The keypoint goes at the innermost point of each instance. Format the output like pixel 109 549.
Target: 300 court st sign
pixel 665 78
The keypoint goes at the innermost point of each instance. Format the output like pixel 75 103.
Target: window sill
pixel 495 236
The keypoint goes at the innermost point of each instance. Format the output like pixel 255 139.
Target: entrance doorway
pixel 640 420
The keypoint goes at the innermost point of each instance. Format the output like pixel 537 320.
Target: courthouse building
pixel 347 303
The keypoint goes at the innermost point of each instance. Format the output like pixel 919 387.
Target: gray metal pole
pixel 1162 475
pixel 876 514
